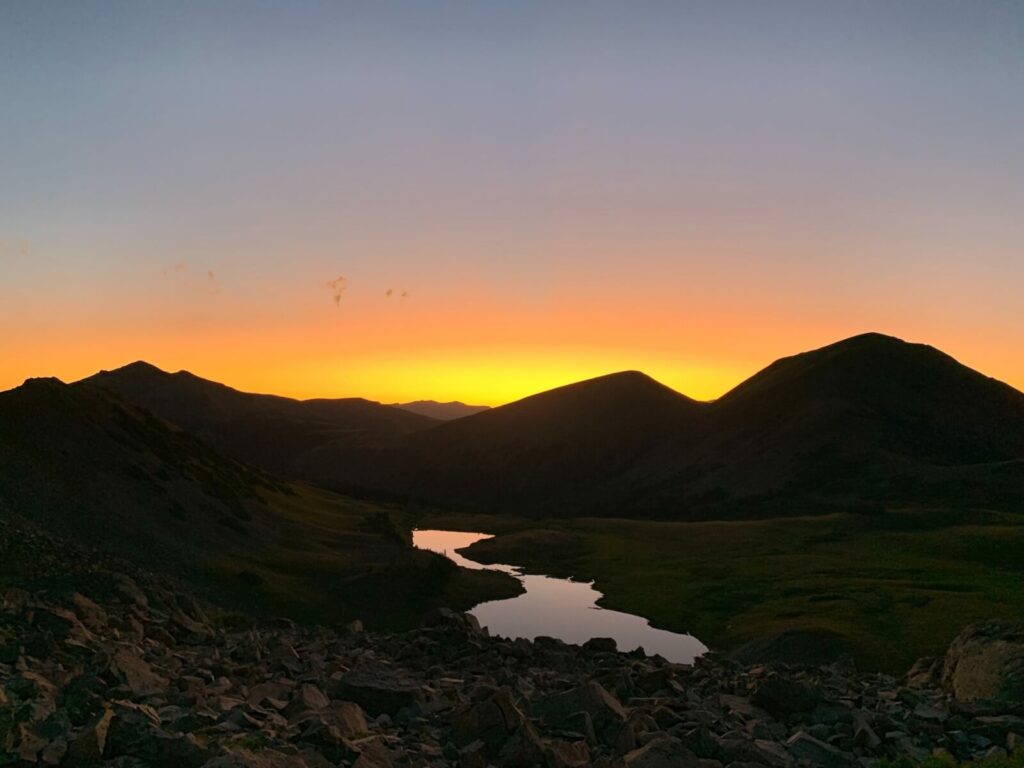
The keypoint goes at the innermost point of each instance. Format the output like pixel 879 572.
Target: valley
pixel 783 556
pixel 887 589
pixel 820 498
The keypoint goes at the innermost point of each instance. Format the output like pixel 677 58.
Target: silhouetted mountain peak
pixel 43 383
pixel 620 385
pixel 139 370
pixel 43 391
pixel 604 416
pixel 870 338
pixel 139 366
pixel 879 345
pixel 861 367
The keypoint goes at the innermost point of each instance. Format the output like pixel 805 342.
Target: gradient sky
pixel 565 189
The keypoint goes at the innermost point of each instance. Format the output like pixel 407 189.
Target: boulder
pixel 373 754
pixel 91 615
pixel 91 741
pixel 662 752
pixel 523 749
pixel 473 755
pixel 610 723
pixel 602 645
pixel 567 754
pixel 986 661
pixel 82 698
pixel 307 698
pixel 63 624
pixel 926 672
pixel 864 735
pixel 733 748
pixel 446 617
pixel 378 689
pixel 273 693
pixel 327 738
pixel 782 696
pixel 349 718
pixel 133 733
pixel 491 721
pixel 809 750
pixel 129 591
pixel 29 742
pixel 136 673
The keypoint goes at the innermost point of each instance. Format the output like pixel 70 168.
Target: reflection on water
pixel 558 608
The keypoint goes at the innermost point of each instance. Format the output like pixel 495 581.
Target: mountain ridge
pixel 853 424
pixel 268 431
pixel 857 423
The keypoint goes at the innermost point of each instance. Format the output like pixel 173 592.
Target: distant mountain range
pixel 868 421
pixel 275 433
pixel 442 411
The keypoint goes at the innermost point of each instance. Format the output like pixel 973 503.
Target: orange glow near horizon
pixel 486 353
pixel 518 196
pixel 698 314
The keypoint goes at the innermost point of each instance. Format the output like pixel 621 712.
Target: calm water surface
pixel 558 608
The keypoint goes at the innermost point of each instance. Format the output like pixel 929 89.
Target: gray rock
pixel 377 689
pixel 782 696
pixel 610 723
pixel 662 752
pixel 926 672
pixel 133 733
pixel 306 698
pixel 986 661
pixel 492 721
pixel 136 673
pixel 91 740
pixel 601 645
pixel 91 615
pixel 559 753
pixel 807 749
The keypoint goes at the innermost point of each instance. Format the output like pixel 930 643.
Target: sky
pixel 517 195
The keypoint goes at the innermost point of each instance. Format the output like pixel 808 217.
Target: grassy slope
pixel 335 558
pixel 895 587
pixel 327 559
pixel 85 466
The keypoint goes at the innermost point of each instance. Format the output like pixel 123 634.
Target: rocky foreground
pixel 131 671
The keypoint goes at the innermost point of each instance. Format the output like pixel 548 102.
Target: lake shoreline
pixel 891 587
pixel 553 606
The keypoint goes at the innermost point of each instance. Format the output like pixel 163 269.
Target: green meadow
pixel 892 586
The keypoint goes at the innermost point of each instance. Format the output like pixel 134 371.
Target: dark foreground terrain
pixel 103 664
pixel 85 464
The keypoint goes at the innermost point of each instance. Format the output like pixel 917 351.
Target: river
pixel 560 608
